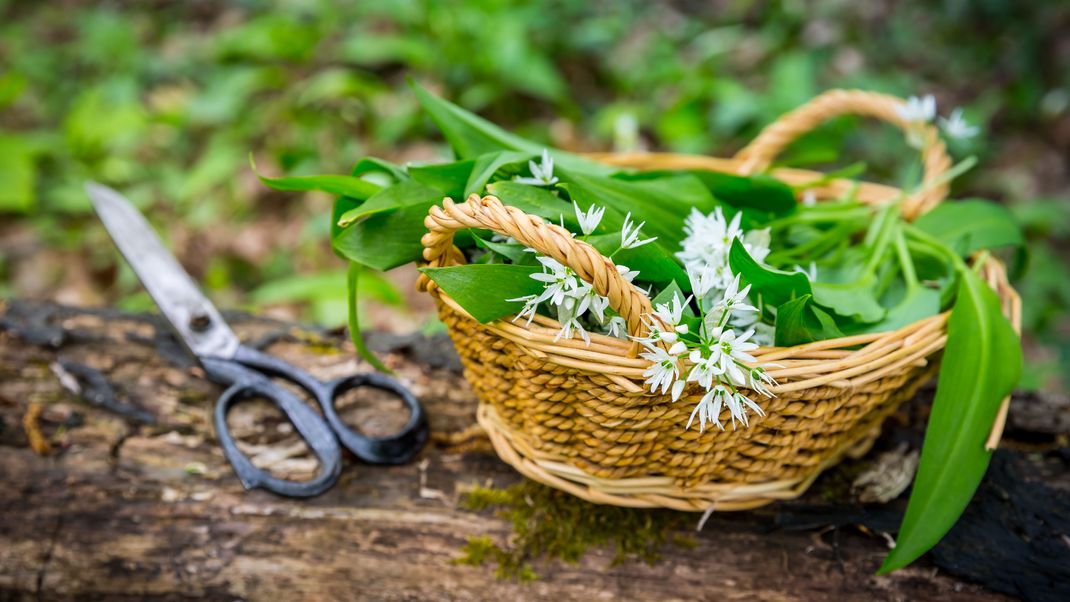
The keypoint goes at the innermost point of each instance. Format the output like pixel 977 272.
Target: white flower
pixel 627 274
pixel 590 220
pixel 735 299
pixel 737 404
pixel 542 174
pixel 705 278
pixel 667 327
pixel 733 231
pixel 664 370
pixel 569 318
pixel 921 109
pixel 617 327
pixel 629 234
pixel 732 350
pixel 756 242
pixel 558 281
pixel 704 368
pixel 809 198
pixel 531 303
pixel 957 127
pixel 589 299
pixel 708 409
pixel 759 381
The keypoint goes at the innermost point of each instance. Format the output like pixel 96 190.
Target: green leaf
pixel 653 263
pixel 398 196
pixel 385 240
pixel 471 135
pixel 335 184
pixel 379 171
pixel 355 333
pixel 971 225
pixel 486 166
pixel 450 178
pixel 919 303
pixel 513 252
pixel 981 365
pixel 799 321
pixel 850 300
pixel 482 290
pixel 534 200
pixel 775 287
pixel 662 203
pixel 341 205
pixel 760 192
pixel 18 174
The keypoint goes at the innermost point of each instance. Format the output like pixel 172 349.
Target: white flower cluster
pixel 923 110
pixel 719 356
pixel 705 257
pixel 573 300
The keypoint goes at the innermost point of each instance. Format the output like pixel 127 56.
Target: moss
pixel 553 525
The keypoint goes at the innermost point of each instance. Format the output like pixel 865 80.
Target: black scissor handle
pixel 315 432
pixel 398 448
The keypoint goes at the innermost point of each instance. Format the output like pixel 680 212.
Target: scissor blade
pixel 196 321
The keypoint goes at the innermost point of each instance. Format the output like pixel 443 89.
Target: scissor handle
pixel 397 448
pixel 317 434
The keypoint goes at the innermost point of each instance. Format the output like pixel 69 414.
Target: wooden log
pixel 124 493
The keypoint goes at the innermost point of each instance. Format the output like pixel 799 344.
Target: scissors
pixel 246 372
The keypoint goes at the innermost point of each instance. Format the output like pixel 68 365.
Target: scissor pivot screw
pixel 200 322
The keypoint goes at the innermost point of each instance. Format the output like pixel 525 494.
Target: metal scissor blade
pixel 196 321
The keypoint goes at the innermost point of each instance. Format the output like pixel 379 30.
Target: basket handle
pixel 759 154
pixel 553 241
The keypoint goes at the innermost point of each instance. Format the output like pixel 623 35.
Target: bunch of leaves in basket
pixel 728 262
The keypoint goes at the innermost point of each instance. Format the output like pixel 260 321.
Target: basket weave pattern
pixel 577 416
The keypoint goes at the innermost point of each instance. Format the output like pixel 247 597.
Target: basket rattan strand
pixel 576 416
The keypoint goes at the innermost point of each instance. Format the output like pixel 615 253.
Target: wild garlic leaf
pixel 386 240
pixel 652 262
pixel 398 196
pixel 663 203
pixel 799 321
pixel 342 204
pixel 487 165
pixel 450 178
pixel 350 186
pixel 482 290
pixel 775 287
pixel 369 167
pixel 761 193
pixel 918 303
pixel 535 201
pixel 470 135
pixel 981 364
pixel 971 225
pixel 512 251
pixel 853 300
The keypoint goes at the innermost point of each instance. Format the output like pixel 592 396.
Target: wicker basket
pixel 577 417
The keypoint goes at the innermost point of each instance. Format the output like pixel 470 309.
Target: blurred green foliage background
pixel 165 100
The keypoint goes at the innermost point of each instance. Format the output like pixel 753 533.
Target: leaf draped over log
pixel 982 363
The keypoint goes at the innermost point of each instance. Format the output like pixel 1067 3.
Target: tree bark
pixel 114 487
